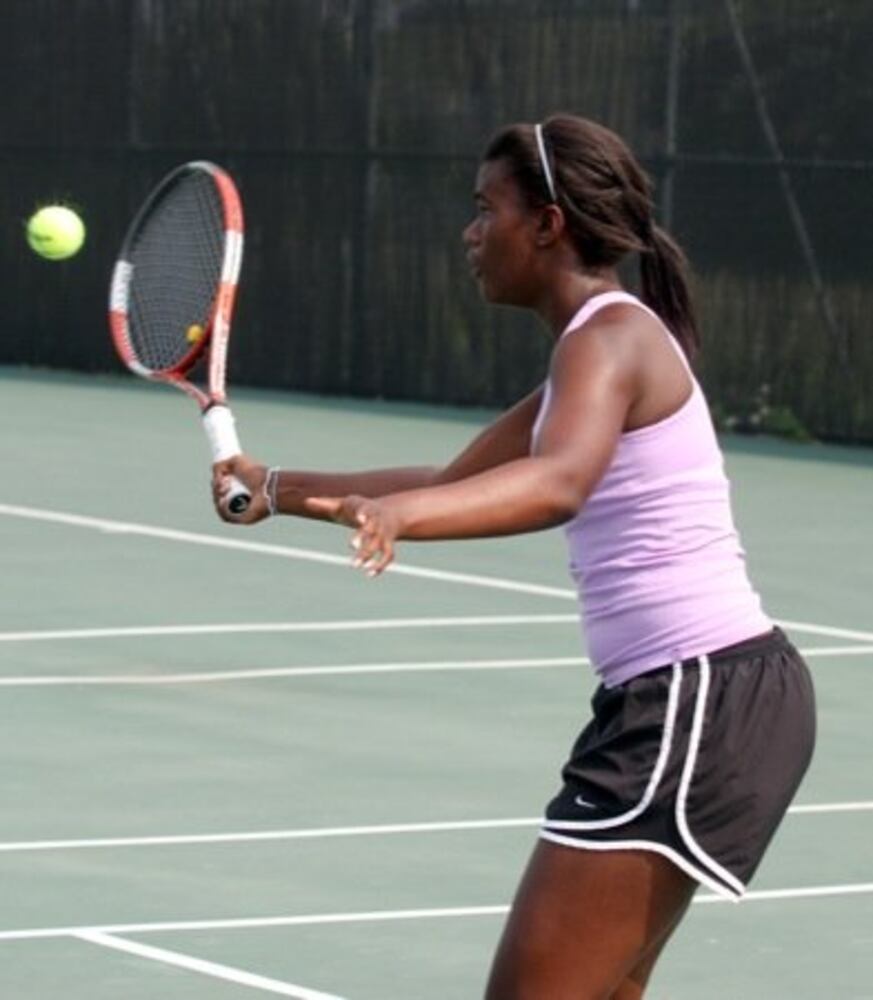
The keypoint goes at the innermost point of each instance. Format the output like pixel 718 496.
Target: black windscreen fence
pixel 353 128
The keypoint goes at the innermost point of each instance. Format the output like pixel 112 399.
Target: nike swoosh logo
pixel 585 803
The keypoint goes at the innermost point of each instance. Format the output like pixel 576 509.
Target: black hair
pixel 607 201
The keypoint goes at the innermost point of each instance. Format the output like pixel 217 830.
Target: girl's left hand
pixel 376 528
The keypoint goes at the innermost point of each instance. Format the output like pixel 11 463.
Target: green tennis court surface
pixel 234 768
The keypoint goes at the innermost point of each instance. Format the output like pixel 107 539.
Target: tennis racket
pixel 172 295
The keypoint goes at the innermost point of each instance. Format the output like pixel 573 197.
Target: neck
pixel 566 297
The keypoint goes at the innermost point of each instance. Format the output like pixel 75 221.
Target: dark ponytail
pixel 606 199
pixel 665 288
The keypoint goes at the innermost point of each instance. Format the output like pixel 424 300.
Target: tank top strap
pixel 598 302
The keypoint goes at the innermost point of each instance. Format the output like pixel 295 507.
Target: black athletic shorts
pixel 697 761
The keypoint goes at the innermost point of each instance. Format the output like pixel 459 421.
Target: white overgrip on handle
pixel 220 429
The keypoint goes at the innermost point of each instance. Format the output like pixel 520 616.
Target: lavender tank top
pixel 654 552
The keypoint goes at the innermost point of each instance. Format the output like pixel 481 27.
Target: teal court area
pixel 233 767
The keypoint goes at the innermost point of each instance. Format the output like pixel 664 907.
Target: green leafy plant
pixel 760 415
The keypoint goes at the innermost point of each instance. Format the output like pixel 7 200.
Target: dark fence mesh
pixel 353 128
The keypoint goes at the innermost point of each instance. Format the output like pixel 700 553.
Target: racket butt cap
pixel 238 499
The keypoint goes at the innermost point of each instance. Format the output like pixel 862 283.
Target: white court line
pixel 836 651
pixel 322 833
pixel 372 916
pixel 836 633
pixel 374 624
pixel 831 807
pixel 808 892
pixel 218 676
pixel 288 552
pixel 312 833
pixel 344 625
pixel 213 969
pixel 212 676
pixel 285 551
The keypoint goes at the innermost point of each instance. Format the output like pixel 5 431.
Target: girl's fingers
pixel 367 549
pixel 373 548
pixel 373 552
pixel 384 559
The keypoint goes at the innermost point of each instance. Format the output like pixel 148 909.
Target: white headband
pixel 544 160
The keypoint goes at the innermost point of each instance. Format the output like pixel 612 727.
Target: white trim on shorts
pixel 697 873
pixel 685 783
pixel 657 772
pixel 731 887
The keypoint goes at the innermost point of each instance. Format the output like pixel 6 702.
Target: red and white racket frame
pixel 218 421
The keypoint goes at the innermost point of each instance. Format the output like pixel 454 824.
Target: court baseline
pixel 319 833
pixel 314 919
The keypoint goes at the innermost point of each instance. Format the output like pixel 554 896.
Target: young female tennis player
pixel 704 721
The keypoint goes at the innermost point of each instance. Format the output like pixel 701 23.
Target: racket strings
pixel 177 261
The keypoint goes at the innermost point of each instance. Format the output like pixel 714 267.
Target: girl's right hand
pixel 253 476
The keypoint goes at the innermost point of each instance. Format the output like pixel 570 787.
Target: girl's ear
pixel 551 225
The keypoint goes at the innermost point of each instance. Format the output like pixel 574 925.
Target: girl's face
pixel 501 240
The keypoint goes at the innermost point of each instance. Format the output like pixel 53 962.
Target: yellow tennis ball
pixel 194 333
pixel 55 232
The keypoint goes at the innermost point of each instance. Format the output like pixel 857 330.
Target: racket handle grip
pixel 220 429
